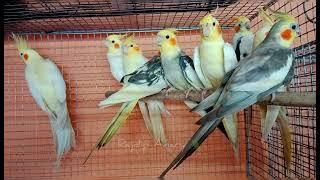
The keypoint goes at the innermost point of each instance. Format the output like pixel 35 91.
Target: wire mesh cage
pixel 72 34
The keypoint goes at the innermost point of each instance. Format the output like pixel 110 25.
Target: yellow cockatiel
pixel 212 60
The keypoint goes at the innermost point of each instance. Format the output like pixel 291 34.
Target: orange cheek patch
pixel 117 46
pixel 25 56
pixel 173 41
pixel 219 29
pixel 237 28
pixel 286 34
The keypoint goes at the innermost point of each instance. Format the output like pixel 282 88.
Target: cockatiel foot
pixel 187 93
pixel 167 91
pixel 273 96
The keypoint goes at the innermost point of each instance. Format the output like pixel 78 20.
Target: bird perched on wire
pixel 270 66
pixel 48 89
pixel 115 55
pixel 243 38
pixel 212 60
pixel 144 81
pixel 133 59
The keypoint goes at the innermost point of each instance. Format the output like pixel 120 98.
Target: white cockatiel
pixel 47 87
pixel 243 38
pixel 115 55
pixel 212 60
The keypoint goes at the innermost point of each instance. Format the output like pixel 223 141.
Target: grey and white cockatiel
pixel 242 40
pixel 270 66
pixel 48 89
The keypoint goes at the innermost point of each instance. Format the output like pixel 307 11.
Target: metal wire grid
pixel 266 158
pixel 56 16
pixel 29 150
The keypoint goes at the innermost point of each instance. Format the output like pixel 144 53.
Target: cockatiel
pixel 243 38
pixel 269 113
pixel 145 81
pixel 212 60
pixel 133 59
pixel 267 23
pixel 115 55
pixel 270 66
pixel 47 87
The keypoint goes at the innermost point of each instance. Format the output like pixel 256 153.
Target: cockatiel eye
pixel 293 27
pixel 167 36
pixel 131 45
pixel 112 41
pixel 214 23
pixel 21 54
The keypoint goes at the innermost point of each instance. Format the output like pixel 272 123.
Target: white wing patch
pixel 57 81
pixel 197 66
pixel 230 57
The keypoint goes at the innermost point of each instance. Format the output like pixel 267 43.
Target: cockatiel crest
pixel 28 55
pixel 282 15
pixel 265 17
pixel 210 27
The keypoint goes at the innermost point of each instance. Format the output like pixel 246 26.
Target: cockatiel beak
pixel 206 29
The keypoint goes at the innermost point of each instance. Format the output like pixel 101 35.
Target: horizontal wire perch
pixel 301 99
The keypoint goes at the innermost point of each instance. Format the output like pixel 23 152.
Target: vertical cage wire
pixel 270 163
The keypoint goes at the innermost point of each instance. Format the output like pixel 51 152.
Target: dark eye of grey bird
pixel 112 41
pixel 293 27
pixel 21 54
pixel 167 36
pixel 213 23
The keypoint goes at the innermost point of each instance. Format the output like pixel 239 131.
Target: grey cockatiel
pixel 243 38
pixel 256 76
pixel 48 89
pixel 145 81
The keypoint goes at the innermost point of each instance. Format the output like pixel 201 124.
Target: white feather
pixel 230 57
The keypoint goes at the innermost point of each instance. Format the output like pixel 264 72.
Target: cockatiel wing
pixel 189 73
pixel 230 58
pixel 198 69
pixel 57 80
pixel 149 77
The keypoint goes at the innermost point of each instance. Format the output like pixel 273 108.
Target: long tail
pixel 163 109
pixel 270 119
pixel 228 127
pixel 117 121
pixel 156 124
pixel 201 134
pixel 230 123
pixel 63 133
pixel 285 136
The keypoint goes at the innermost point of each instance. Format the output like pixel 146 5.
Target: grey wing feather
pixel 188 70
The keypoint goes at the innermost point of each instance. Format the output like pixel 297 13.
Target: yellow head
pixel 281 15
pixel 210 28
pixel 28 55
pixel 242 24
pixel 284 31
pixel 114 43
pixel 167 41
pixel 130 47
